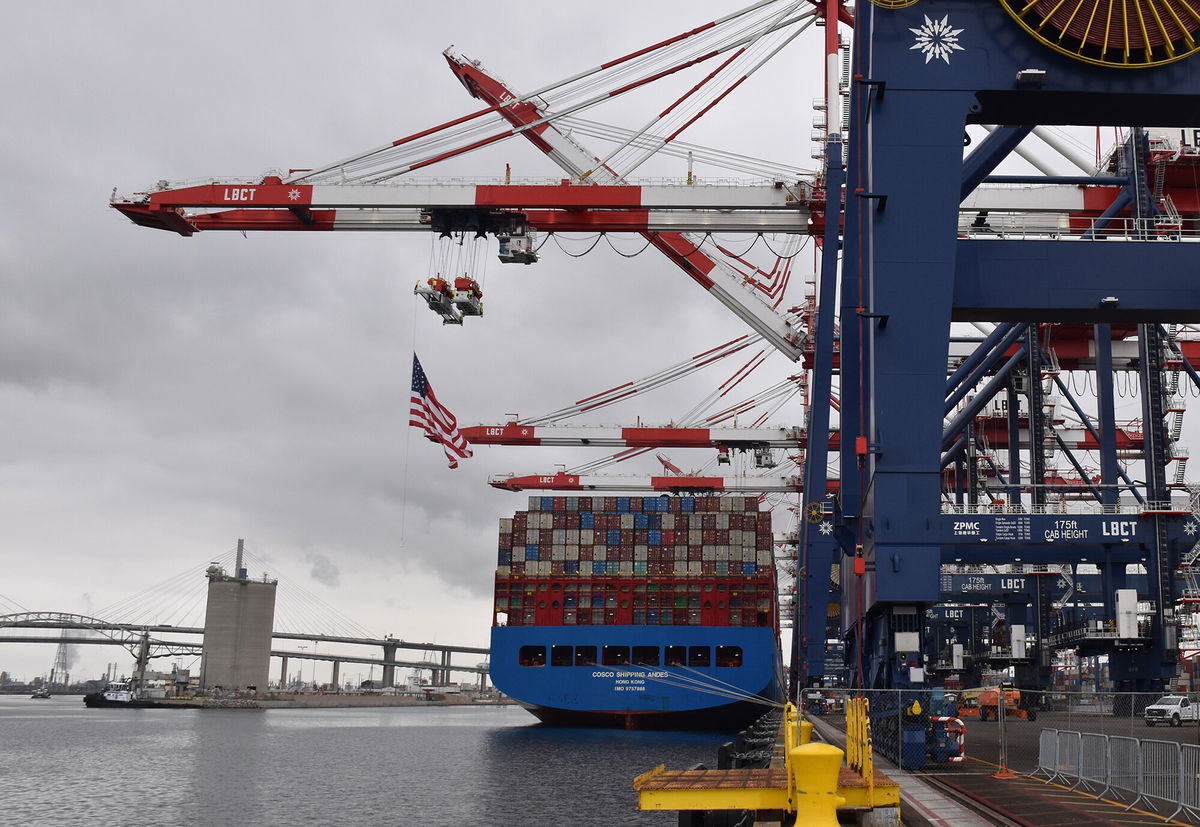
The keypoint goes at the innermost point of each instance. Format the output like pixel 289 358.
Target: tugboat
pixel 40 694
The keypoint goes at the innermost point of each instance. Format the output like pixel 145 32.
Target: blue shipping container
pixel 614 537
pixel 587 519
pixel 654 538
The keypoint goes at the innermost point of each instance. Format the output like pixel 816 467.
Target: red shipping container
pixel 641 536
pixel 506 541
pixel 668 537
pixel 673 505
pixel 709 536
pixel 572 520
pixel 585 503
pixel 610 504
pixel 709 521
pixel 560 504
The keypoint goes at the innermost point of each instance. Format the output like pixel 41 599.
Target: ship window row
pixel 611 602
pixel 637 588
pixel 691 656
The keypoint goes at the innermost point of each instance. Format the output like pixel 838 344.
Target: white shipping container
pixel 558 552
pixel 694 569
pixel 572 536
pixel 535 503
pixel 599 552
pixel 723 519
pixel 518 554
pixel 681 568
pixel 640 553
pixel 625 568
pixel 668 522
pixel 627 521
pixel 764 558
pixel 506 525
pixel 504 571
pixel 695 537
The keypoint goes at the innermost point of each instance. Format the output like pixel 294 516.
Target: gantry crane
pixel 942 442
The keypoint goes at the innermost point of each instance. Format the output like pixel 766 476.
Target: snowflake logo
pixel 1190 529
pixel 936 39
pixel 826 528
pixel 294 195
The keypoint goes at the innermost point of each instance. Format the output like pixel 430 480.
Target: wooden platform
pixel 748 789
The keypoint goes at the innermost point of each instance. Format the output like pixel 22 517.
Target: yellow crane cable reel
pixel 1132 34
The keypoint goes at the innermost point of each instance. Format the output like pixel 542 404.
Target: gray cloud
pixel 163 396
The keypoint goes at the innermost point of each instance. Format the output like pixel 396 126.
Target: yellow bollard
pixel 813 783
pixel 805 732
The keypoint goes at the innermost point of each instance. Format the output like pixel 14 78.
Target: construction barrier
pixel 1151 772
pixel 1093 762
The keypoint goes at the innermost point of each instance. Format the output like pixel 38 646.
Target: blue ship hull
pixel 536 665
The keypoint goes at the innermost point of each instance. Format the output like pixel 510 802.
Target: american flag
pixel 436 421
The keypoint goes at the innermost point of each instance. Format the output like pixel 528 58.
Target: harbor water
pixel 61 763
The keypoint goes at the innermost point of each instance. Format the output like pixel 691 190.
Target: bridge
pixel 166 641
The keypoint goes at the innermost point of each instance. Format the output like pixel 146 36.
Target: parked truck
pixel 1175 710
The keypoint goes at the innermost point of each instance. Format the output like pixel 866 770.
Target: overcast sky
pixel 163 396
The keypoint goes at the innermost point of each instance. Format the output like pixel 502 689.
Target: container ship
pixel 638 612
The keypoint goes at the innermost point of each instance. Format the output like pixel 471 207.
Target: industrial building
pixel 237 629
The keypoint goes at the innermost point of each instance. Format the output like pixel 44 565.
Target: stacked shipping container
pixel 665 560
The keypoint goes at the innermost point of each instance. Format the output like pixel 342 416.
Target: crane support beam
pixel 271 192
pixel 685 484
pixel 409 219
pixel 1029 281
pixel 516 434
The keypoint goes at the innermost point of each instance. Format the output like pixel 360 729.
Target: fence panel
pixel 1160 770
pixel 1047 761
pixel 1125 765
pixel 1066 766
pixel 1093 761
pixel 1189 778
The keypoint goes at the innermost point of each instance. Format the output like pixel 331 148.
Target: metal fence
pixel 1089 741
pixel 1155 774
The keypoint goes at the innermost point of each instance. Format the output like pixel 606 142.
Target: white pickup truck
pixel 1171 709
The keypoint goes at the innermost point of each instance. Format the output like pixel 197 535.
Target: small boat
pixel 123 695
pixel 40 694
